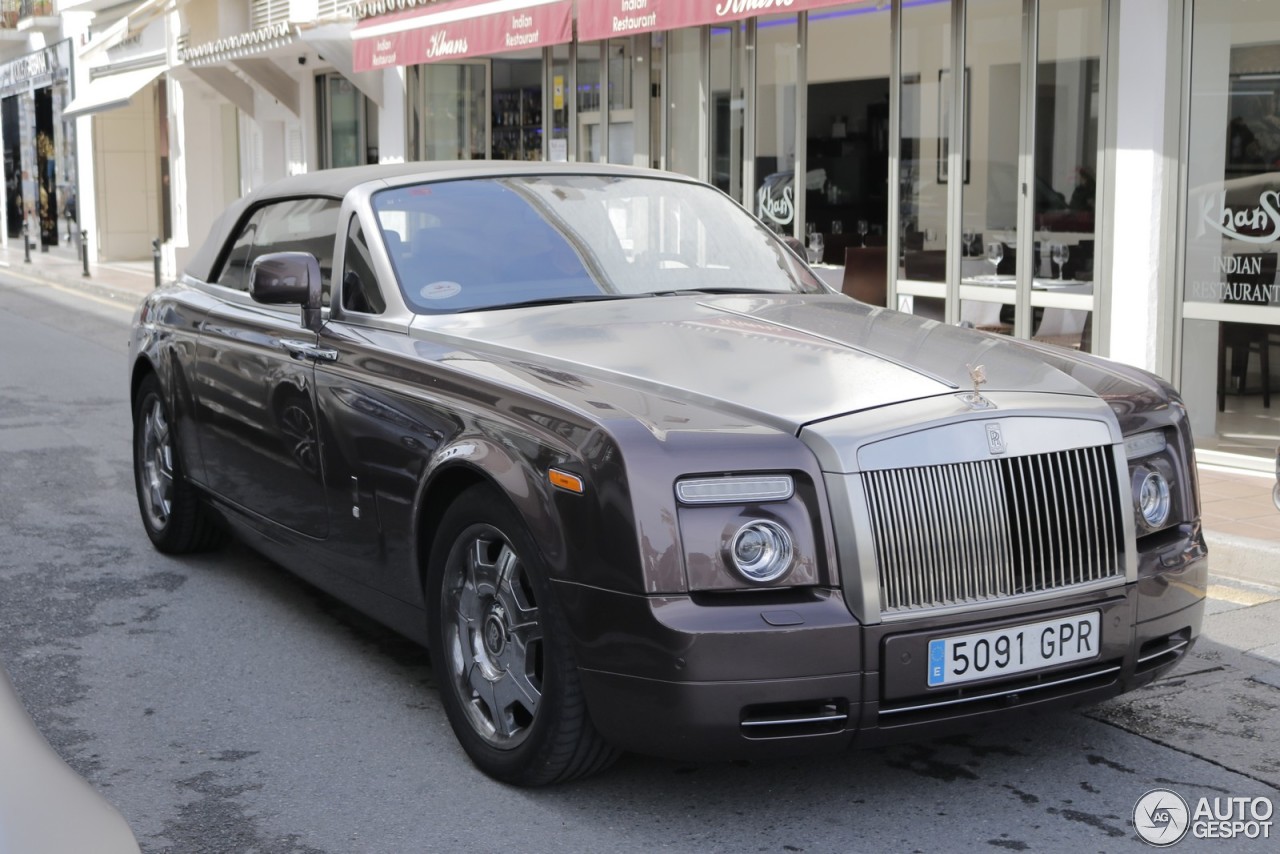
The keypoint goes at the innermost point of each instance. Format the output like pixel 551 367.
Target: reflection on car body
pixel 603 443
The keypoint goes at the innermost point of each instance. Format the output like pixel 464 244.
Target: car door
pixel 254 385
pixel 375 440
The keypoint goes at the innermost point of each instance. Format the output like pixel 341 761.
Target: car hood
pixel 781 360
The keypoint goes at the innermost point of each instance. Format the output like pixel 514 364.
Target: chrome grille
pixel 973 532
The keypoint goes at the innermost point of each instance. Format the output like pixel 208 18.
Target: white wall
pixel 391 117
pixel 209 162
pixel 126 180
pixel 1141 158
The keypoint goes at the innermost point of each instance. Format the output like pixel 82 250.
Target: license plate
pixel 1015 649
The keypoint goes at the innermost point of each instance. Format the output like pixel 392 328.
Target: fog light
pixel 761 551
pixel 1153 499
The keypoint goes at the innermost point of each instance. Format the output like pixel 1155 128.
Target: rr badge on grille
pixel 995 439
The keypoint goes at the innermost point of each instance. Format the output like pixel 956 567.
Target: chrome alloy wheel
pixel 157 465
pixel 494 637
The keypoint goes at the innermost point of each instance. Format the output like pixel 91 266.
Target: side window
pixel 235 270
pixel 359 287
pixel 298 225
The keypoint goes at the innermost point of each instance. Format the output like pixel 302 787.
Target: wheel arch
pixel 142 368
pixel 476 461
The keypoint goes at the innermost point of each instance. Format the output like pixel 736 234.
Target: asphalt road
pixel 224 706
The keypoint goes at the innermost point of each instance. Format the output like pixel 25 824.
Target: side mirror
pixel 288 278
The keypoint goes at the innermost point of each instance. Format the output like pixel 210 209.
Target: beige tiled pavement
pixel 1239 504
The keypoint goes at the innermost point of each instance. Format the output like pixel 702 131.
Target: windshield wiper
pixel 712 292
pixel 562 300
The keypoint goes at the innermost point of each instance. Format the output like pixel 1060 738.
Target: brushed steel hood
pixel 784 361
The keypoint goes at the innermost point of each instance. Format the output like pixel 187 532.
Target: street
pixel 222 705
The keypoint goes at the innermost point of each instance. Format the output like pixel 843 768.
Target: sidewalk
pixel 125 281
pixel 1241 523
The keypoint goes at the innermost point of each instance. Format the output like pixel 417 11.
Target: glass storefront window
pixel 925 40
pixel 341 115
pixel 448 119
pixel 1231 299
pixel 590 139
pixel 847 140
pixel 516 106
pixel 686 102
pixel 989 187
pixel 1068 108
pixel 561 91
pixel 728 106
pixel 777 67
pixel 622 115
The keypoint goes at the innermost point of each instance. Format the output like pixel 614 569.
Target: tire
pixel 173 513
pixel 501 652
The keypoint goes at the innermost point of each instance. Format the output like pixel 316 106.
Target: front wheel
pixel 173 514
pixel 501 653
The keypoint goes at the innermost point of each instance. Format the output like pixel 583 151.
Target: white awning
pixel 111 91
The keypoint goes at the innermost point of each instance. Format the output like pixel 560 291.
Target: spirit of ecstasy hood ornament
pixel 975 400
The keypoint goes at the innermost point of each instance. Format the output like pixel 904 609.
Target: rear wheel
pixel 172 513
pixel 501 653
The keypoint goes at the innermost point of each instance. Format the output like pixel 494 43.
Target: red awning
pixel 459 29
pixel 602 19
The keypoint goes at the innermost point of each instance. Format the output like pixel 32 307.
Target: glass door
pixel 777 70
pixel 1068 108
pixel 924 50
pixel 1230 342
pixel 988 176
pixel 449 116
pixel 516 111
pixel 728 106
pixel 846 126
pixel 341 117
pixel 686 101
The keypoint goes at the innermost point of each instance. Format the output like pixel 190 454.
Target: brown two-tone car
pixel 605 445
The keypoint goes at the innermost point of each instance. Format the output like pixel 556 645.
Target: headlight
pixel 1152 495
pixel 761 551
pixel 737 489
pixel 1144 444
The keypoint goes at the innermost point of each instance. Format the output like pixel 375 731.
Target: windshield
pixel 488 243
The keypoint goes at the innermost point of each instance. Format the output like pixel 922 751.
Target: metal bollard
pixel 155 259
pixel 84 252
pixel 26 244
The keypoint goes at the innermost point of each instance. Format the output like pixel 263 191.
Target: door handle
pixel 311 352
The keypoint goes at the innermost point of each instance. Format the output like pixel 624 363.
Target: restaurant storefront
pixel 831 120
pixel 1230 339
pixel 39 147
pixel 986 197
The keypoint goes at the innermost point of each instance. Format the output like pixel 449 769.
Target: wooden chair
pixel 866 274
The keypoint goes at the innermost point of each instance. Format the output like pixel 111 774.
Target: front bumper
pixel 742 677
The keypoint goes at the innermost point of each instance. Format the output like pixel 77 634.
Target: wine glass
pixel 815 247
pixel 995 254
pixel 1059 254
pixel 966 243
pixel 863 228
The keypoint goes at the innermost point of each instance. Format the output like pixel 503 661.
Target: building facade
pixel 1102 175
